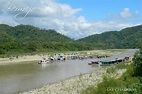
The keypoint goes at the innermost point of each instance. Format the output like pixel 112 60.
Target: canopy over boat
pixel 105 61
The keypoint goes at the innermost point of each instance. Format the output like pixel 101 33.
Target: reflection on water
pixel 44 65
pixel 22 77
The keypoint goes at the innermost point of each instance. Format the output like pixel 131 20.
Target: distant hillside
pixel 126 38
pixel 28 33
pixel 27 38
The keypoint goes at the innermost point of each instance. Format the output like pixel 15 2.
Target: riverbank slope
pixel 75 85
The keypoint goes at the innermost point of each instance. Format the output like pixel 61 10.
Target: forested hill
pixel 27 39
pixel 28 33
pixel 126 38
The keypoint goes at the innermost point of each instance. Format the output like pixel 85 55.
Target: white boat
pixel 43 62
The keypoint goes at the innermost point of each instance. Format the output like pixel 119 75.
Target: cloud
pixel 126 13
pixel 7 20
pixel 50 14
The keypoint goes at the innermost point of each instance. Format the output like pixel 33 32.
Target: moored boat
pixel 107 62
pixel 43 62
pixel 94 63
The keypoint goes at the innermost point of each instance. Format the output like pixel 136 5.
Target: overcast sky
pixel 74 18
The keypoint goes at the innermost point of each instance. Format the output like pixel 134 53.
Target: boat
pixel 94 63
pixel 43 62
pixel 107 62
pixel 119 60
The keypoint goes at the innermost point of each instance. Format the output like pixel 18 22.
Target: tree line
pixel 27 39
pixel 126 38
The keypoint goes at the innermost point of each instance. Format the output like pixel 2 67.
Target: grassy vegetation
pixel 111 70
pixel 117 86
pixel 129 83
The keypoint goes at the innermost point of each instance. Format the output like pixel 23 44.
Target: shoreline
pixel 66 85
pixel 76 84
pixel 20 59
pixel 37 57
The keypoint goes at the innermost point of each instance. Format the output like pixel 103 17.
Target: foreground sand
pixel 76 84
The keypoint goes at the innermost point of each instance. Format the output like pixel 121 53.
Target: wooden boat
pixel 107 62
pixel 43 62
pixel 94 63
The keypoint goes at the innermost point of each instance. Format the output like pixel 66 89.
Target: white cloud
pixel 126 13
pixel 7 20
pixel 136 13
pixel 51 14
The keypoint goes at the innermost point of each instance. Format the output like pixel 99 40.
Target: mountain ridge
pixel 27 38
pixel 125 38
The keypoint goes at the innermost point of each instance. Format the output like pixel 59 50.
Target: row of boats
pixel 100 62
pixel 109 62
pixel 52 59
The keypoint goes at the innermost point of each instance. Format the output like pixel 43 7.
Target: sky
pixel 74 18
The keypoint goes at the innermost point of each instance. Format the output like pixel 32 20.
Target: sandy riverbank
pixel 76 84
pixel 40 57
pixel 20 59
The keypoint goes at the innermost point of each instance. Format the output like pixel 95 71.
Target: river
pixel 15 78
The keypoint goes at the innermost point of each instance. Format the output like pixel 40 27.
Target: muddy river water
pixel 15 78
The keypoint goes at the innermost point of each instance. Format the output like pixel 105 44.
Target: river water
pixel 15 78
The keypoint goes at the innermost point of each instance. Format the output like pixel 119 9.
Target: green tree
pixel 138 63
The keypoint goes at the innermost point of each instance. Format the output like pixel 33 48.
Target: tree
pixel 138 63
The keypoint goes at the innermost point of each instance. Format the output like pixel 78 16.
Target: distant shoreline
pixel 20 59
pixel 28 58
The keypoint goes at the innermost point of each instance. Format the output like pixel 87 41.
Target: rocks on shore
pixel 76 84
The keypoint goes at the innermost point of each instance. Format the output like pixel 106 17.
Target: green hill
pixel 126 38
pixel 28 33
pixel 27 39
